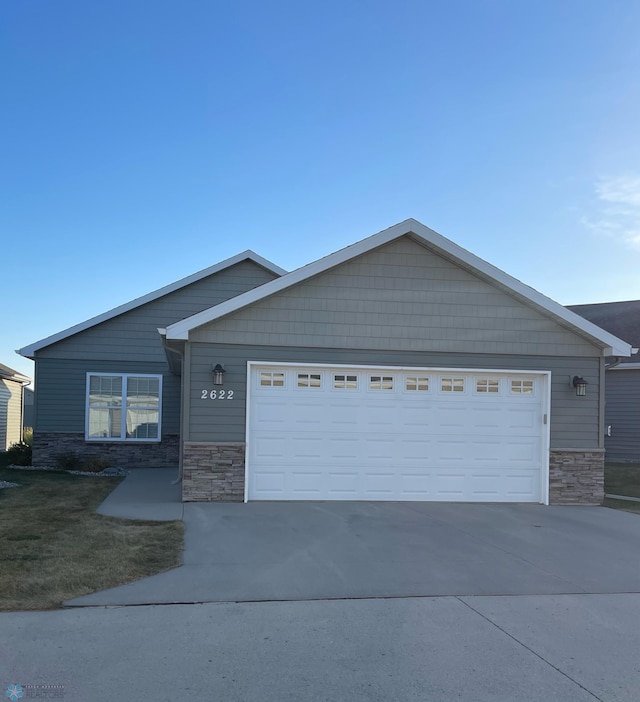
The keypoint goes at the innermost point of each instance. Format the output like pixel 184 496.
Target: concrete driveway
pixel 268 551
pixel 374 645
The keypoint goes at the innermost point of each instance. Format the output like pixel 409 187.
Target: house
pixel 12 385
pixel 402 367
pixel 622 393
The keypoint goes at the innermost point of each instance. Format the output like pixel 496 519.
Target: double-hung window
pixel 123 407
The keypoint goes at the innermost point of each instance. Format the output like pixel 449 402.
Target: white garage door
pixel 361 433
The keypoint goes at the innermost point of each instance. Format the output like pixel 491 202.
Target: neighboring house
pixel 622 409
pixel 12 386
pixel 402 367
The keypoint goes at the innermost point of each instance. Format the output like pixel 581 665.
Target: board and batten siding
pixel 622 412
pixel 62 386
pixel 401 296
pixel 133 335
pixel 575 421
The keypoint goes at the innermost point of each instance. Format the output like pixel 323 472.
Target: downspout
pixel 179 353
pixel 616 360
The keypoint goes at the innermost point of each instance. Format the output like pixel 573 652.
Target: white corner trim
pixel 612 345
pixel 29 351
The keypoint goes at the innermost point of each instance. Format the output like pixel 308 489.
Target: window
pixel 416 382
pixel 123 407
pixel 522 387
pixel 380 382
pixel 452 384
pixel 345 382
pixel 309 380
pixel 272 379
pixel 487 385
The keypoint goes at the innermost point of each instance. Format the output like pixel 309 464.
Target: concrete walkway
pixel 267 551
pixel 146 493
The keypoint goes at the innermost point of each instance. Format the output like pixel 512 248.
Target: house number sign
pixel 216 394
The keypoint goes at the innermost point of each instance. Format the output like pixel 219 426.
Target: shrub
pixel 96 464
pixel 68 460
pixel 19 454
pixel 27 436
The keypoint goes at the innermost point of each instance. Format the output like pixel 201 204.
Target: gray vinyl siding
pixel 10 413
pixel 133 335
pixel 28 408
pixel 574 420
pixel 622 412
pixel 61 392
pixel 399 297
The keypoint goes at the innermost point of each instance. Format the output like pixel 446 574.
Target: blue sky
pixel 143 141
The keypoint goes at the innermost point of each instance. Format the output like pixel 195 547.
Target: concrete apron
pixel 267 551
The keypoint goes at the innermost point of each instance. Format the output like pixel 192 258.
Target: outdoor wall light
pixel 218 373
pixel 580 384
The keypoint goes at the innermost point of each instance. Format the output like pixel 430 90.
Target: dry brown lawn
pixel 54 546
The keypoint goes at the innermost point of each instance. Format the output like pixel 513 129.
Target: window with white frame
pixel 522 387
pixel 487 385
pixel 272 379
pixel 309 380
pixel 345 382
pixel 452 384
pixel 417 383
pixel 123 407
pixel 380 382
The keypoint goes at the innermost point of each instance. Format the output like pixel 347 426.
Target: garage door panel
pixel 358 442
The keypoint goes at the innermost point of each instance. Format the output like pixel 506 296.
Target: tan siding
pixel 10 413
pixel 398 297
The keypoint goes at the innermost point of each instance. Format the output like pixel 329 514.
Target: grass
pixel 55 547
pixel 622 479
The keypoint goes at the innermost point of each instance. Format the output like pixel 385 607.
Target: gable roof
pixel 609 343
pixel 29 351
pixel 619 318
pixel 10 374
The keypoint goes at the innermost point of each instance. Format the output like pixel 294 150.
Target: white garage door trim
pixel 544 385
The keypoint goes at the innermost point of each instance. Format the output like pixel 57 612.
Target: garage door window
pixel 345 382
pixel 452 384
pixel 487 385
pixel 522 387
pixel 309 380
pixel 271 379
pixel 380 382
pixel 416 383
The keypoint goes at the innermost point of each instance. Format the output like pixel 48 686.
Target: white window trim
pixel 123 428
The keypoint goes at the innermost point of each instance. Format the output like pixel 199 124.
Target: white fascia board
pixel 612 345
pixel 29 351
pixel 16 378
pixel 624 366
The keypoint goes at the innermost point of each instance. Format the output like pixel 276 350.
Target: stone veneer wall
pixel 212 472
pixel 576 476
pixel 166 453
